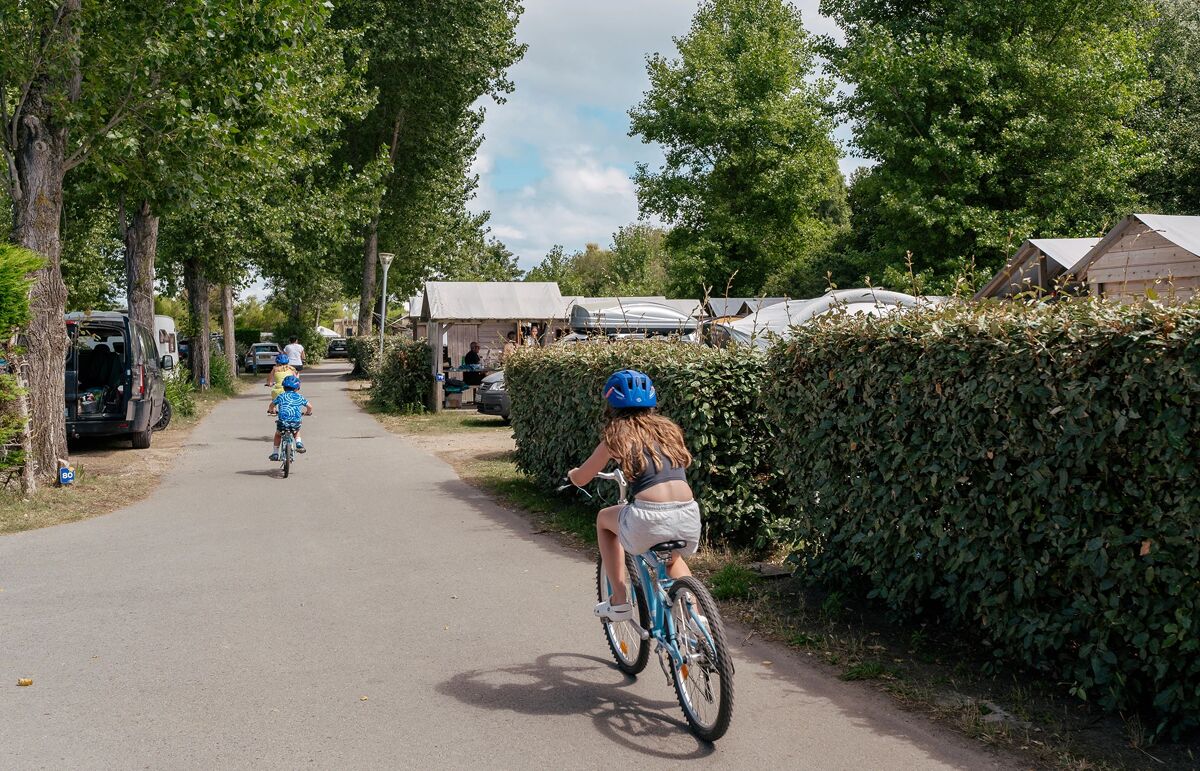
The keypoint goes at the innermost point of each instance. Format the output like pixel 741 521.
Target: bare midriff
pixel 671 491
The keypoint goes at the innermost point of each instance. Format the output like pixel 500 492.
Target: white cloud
pixel 556 162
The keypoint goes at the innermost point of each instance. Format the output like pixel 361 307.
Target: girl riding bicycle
pixel 651 453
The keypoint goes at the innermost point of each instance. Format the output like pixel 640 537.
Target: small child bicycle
pixel 682 618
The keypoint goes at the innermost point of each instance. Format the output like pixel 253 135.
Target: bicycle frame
pixel 656 583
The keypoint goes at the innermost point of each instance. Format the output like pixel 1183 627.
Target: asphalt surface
pixel 372 611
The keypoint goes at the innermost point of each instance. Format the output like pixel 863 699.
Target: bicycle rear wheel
pixel 704 679
pixel 287 457
pixel 628 648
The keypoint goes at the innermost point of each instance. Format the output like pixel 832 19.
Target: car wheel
pixel 141 440
pixel 165 419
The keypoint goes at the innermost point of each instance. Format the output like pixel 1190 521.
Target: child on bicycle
pixel 650 451
pixel 290 407
pixel 280 371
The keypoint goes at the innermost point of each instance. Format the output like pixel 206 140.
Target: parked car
pixel 260 356
pixel 114 378
pixel 337 349
pixel 493 396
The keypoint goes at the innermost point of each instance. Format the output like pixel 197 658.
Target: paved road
pixel 370 612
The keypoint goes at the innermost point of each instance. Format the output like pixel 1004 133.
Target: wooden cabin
pixel 1040 266
pixel 1146 253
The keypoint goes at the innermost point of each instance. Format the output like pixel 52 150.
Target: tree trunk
pixel 366 303
pixel 197 291
pixel 40 161
pixel 141 249
pixel 227 327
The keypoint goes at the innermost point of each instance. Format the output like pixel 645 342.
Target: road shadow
pixel 261 472
pixel 572 684
pixel 263 438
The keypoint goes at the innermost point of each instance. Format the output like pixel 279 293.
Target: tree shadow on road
pixel 571 684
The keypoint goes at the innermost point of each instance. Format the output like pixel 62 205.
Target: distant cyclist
pixel 651 453
pixel 290 408
pixel 279 372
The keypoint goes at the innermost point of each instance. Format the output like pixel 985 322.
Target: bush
pixel 1027 474
pixel 244 338
pixel 219 374
pixel 557 413
pixel 314 344
pixel 181 392
pixel 402 384
pixel 362 352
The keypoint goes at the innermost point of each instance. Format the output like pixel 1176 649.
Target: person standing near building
pixel 510 346
pixel 295 353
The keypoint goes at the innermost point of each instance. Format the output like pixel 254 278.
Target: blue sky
pixel 556 161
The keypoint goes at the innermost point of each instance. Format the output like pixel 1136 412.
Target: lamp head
pixel 385 259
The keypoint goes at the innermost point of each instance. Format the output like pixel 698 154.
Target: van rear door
pixel 72 371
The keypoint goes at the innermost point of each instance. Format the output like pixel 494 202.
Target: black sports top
pixel 649 477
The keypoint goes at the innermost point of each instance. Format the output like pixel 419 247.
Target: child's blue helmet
pixel 291 383
pixel 630 388
pixel 282 359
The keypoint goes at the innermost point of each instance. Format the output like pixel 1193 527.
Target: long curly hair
pixel 630 432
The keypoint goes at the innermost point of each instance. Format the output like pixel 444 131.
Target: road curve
pixel 372 611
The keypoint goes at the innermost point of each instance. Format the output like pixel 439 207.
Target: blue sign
pixel 66 475
pixel 441 377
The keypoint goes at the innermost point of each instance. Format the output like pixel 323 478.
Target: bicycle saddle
pixel 668 546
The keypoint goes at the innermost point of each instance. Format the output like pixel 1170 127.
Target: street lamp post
pixel 385 259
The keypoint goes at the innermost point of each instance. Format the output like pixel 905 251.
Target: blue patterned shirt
pixel 290 405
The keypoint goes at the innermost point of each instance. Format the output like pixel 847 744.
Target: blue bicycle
pixel 681 617
pixel 287 449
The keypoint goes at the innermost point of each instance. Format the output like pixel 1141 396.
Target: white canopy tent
pixel 326 332
pixel 634 317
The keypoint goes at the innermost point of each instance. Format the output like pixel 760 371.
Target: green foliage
pixel 181 392
pixel 751 174
pixel 244 338
pixel 634 265
pixel 402 384
pixel 220 377
pixel 314 344
pixel 732 582
pixel 1027 474
pixel 15 266
pixel 990 123
pixel 363 353
pixel 1172 118
pixel 11 425
pixel 557 413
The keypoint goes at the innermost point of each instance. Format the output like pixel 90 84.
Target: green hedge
pixel 1030 475
pixel 402 383
pixel 363 353
pixel 557 413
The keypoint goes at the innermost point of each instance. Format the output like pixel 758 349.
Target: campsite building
pixel 1039 266
pixel 1157 254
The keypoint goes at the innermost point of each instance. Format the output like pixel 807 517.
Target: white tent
pixel 462 301
pixel 326 332
pixel 775 320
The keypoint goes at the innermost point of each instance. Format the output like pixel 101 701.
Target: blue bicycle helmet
pixel 282 359
pixel 630 388
pixel 291 383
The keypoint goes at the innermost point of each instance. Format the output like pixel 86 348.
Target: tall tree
pixel 430 61
pixel 750 169
pixel 989 123
pixel 1171 119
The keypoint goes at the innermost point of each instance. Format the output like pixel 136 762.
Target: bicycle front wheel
pixel 287 459
pixel 704 678
pixel 628 648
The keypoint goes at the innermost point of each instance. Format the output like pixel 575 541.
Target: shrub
pixel 181 392
pixel 220 376
pixel 557 413
pixel 1027 474
pixel 314 344
pixel 362 352
pixel 402 384
pixel 244 338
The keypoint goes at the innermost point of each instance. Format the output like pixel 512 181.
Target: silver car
pixel 261 356
pixel 493 396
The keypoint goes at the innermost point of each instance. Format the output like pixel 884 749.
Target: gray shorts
pixel 643 524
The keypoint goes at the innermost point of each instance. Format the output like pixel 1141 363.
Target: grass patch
pixel 444 422
pixel 732 582
pixel 866 670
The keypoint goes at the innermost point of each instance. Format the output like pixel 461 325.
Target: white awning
pixel 1178 229
pixel 462 301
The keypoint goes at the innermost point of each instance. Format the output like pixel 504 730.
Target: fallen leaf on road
pixel 25 681
pixel 362 698
pixel 766 663
pixel 454 596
